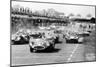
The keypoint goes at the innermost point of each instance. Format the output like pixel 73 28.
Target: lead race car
pixel 39 42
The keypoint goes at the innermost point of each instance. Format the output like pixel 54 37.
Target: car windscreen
pixel 36 36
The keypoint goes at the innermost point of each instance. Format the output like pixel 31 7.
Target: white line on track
pixel 71 55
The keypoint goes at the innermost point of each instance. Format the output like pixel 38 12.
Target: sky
pixel 67 9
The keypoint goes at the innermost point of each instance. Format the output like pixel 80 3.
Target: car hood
pixel 40 41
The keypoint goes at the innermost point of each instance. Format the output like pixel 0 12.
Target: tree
pixel 21 9
pixel 89 15
pixel 36 13
pixel 70 15
pixel 78 15
pixel 52 13
pixel 41 13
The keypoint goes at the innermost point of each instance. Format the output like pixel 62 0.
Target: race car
pixel 73 38
pixel 39 42
pixel 19 39
pixel 53 35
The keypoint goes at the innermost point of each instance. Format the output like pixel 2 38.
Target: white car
pixel 19 39
pixel 73 38
pixel 38 42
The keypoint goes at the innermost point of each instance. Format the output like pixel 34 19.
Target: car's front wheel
pixel 52 46
pixel 31 49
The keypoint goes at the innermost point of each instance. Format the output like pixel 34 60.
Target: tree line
pixel 45 13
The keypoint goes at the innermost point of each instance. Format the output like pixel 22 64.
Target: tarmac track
pixel 20 54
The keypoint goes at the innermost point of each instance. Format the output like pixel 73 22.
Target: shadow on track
pixel 49 51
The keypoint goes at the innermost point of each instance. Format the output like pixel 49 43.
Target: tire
pixel 57 40
pixel 52 46
pixel 12 42
pixel 31 49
